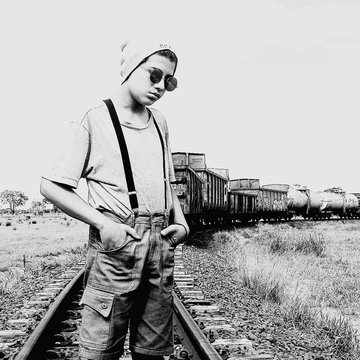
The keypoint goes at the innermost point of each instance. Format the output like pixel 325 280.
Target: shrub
pixel 8 223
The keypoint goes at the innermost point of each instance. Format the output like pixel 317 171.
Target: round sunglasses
pixel 170 82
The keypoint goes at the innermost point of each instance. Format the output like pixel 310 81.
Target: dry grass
pixel 307 270
pixel 31 246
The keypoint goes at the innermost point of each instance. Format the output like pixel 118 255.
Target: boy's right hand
pixel 113 235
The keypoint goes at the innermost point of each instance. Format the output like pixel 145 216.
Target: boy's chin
pixel 148 102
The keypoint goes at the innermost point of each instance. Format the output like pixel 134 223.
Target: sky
pixel 268 89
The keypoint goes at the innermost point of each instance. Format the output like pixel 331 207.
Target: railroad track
pixel 201 330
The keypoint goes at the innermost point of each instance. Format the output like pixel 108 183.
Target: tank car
pixel 357 208
pixel 304 202
pixel 321 204
pixel 338 202
pixel 332 202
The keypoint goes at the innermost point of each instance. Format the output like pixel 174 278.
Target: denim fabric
pixel 129 286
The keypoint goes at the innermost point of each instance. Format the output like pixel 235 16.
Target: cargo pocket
pixel 167 264
pixel 96 318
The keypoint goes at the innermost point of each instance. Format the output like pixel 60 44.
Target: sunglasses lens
pixel 156 76
pixel 170 83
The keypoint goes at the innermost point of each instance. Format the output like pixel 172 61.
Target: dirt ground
pixel 24 238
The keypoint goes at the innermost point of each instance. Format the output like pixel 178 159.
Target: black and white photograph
pixel 180 180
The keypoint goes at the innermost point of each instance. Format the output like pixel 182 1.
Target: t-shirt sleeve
pixel 70 161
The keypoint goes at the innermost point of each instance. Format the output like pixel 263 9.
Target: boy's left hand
pixel 176 234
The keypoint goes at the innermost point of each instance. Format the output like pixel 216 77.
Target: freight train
pixel 209 197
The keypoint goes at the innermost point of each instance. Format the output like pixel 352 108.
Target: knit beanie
pixel 134 51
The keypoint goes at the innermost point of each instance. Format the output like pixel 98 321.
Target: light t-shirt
pixel 91 150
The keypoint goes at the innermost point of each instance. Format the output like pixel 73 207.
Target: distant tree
pixel 37 207
pixel 46 201
pixel 14 198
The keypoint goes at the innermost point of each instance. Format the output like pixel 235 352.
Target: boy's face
pixel 141 88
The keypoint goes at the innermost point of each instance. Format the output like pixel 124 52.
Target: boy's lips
pixel 155 95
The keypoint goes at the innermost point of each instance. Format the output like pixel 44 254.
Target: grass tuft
pixel 298 313
pixel 266 287
pixel 9 279
pixel 292 240
pixel 338 334
pixel 344 337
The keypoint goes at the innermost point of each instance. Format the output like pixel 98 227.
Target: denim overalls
pixel 130 285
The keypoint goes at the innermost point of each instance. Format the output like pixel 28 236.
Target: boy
pixel 121 148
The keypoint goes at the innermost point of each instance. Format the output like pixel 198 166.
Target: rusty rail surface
pixel 192 338
pixel 38 340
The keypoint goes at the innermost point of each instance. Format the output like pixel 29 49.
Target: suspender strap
pixel 163 153
pixel 125 156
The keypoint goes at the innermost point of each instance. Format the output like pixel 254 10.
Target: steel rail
pixel 191 335
pixel 36 343
pixel 192 338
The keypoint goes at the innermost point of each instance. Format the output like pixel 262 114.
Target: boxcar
pixel 272 203
pixel 188 188
pixel 241 206
pixel 195 160
pixel 213 187
pixel 271 200
pixel 214 192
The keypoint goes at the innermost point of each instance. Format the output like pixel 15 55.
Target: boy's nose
pixel 160 86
